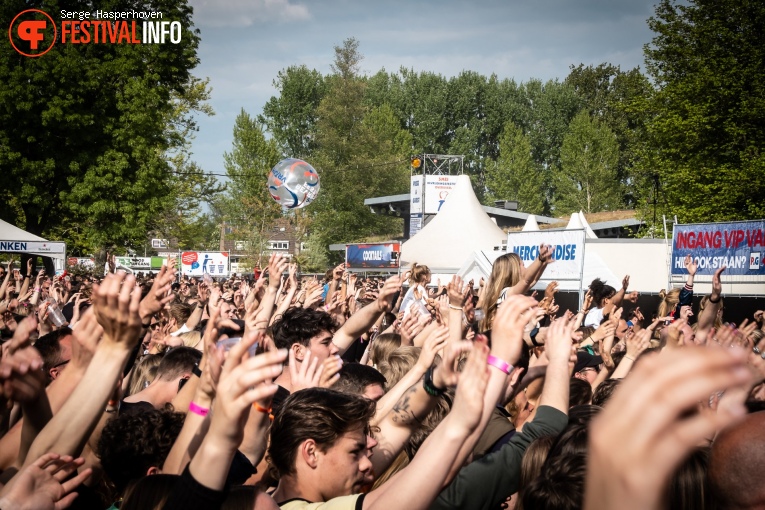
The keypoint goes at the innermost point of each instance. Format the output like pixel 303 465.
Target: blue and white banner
pixel 372 256
pixel 737 245
pixel 567 248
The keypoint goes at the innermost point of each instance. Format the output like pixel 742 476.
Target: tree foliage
pixel 587 177
pixel 83 129
pixel 705 142
pixel 517 176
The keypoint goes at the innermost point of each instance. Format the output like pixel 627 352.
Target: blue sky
pixel 246 42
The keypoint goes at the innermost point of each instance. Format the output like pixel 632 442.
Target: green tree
pixel 516 175
pixel 613 97
pixel 247 206
pixel 291 117
pixel 83 132
pixel 587 179
pixel 706 144
pixel 361 152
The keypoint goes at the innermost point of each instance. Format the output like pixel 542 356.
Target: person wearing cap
pixel 587 366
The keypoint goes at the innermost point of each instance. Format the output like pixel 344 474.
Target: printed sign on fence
pixel 737 245
pixel 197 263
pixel 567 248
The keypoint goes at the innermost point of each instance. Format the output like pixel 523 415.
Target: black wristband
pixel 430 388
pixel 533 336
pixel 714 301
pixel 196 371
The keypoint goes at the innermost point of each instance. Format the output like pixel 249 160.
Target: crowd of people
pixel 163 391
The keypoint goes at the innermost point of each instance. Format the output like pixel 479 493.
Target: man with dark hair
pixel 55 348
pixel 136 445
pixel 173 371
pixel 735 464
pixel 587 366
pixel 362 380
pixel 302 330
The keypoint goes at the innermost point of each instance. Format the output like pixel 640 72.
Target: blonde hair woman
pixel 419 277
pixel 508 276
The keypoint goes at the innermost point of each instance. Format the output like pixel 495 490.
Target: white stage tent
pixel 16 240
pixel 459 229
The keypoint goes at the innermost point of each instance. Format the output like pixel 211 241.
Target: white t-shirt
pixel 410 298
pixel 594 318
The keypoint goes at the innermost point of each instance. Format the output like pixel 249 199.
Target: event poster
pixel 437 189
pixel 567 251
pixel 737 245
pixel 372 256
pixel 197 263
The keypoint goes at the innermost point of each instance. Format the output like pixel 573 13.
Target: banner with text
pixel 567 248
pixel 437 189
pixel 737 245
pixel 47 248
pixel 197 263
pixel 372 256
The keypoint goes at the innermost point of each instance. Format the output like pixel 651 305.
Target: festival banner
pixel 372 256
pixel 737 245
pixel 34 247
pixel 437 189
pixel 197 263
pixel 567 251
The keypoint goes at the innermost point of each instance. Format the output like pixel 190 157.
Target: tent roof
pixel 9 232
pixel 459 229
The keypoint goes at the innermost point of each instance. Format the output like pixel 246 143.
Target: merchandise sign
pixel 197 263
pixel 415 224
pixel 437 189
pixel 738 246
pixel 372 256
pixel 567 248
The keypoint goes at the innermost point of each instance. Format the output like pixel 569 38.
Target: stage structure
pixel 433 177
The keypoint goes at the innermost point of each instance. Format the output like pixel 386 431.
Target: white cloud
pixel 245 13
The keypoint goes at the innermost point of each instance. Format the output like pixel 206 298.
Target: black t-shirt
pixel 279 397
pixel 134 408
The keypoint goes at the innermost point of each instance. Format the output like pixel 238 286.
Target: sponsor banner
pixel 415 195
pixel 415 224
pixel 81 261
pixel 738 246
pixel 567 247
pixel 197 263
pixel 133 262
pixel 372 256
pixel 36 247
pixel 437 189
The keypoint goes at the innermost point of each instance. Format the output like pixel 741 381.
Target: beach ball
pixel 293 183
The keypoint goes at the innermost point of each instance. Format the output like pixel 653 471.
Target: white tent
pixel 459 229
pixel 589 233
pixel 531 224
pixel 16 240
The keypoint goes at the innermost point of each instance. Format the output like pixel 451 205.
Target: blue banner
pixel 372 256
pixel 738 246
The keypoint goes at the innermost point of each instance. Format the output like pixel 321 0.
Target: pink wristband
pixel 197 409
pixel 500 364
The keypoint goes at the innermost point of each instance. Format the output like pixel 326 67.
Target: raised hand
pixel 21 374
pixel 445 374
pixel 159 295
pixel 638 343
pixel 558 343
pixel 690 265
pixel 717 284
pixel 45 484
pixel 550 290
pixel 277 264
pixel 330 372
pixel 309 373
pixel 385 297
pixel 433 343
pixel 468 399
pixel 507 331
pixel 115 303
pixel 653 444
pixel 457 291
pixel 243 381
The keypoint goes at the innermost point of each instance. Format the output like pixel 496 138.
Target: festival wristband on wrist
pixel 269 411
pixel 197 409
pixel 500 364
pixel 429 386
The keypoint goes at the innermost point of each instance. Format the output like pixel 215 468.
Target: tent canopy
pixel 16 240
pixel 459 229
pixel 10 232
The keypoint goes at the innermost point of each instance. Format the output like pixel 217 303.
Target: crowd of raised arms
pixel 162 391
